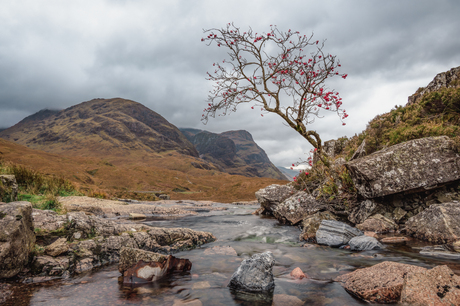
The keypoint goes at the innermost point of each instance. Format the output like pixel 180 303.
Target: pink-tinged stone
pixel 286 300
pixel 395 239
pixel 381 283
pixel 438 286
pixel 297 273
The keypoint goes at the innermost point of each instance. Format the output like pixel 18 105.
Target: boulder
pixel 286 300
pixel 378 223
pixel 364 243
pixel 362 211
pixel 271 196
pixel 438 286
pixel 137 216
pixel 254 274
pixel 220 250
pixel 381 283
pixel 439 223
pixel 335 233
pixel 295 208
pixel 413 165
pixel 17 237
pixel 57 248
pixel 311 224
pixel 8 188
pixel 441 251
pixel 395 239
pixel 139 266
pixel 50 266
pixel 456 246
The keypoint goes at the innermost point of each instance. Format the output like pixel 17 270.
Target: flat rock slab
pixel 438 286
pixel 364 243
pixel 439 223
pixel 335 233
pixel 381 283
pixel 415 164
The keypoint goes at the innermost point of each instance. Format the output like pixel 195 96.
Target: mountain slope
pixel 234 152
pixel 100 126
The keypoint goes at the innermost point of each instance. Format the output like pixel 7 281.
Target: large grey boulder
pixel 271 196
pixel 417 164
pixel 311 224
pixel 439 223
pixel 335 233
pixel 17 237
pixel 8 188
pixel 364 243
pixel 254 274
pixel 295 208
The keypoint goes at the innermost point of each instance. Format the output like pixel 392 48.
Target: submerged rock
pixel 438 286
pixel 17 237
pixel 139 266
pixel 297 273
pixel 440 251
pixel 381 283
pixel 439 223
pixel 335 233
pixel 364 243
pixel 415 164
pixel 254 274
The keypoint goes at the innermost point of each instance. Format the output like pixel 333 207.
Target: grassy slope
pixel 116 175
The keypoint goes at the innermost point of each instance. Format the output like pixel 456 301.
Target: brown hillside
pixel 100 127
pixel 139 171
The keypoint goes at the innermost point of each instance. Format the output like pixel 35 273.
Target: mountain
pixel 234 152
pixel 98 127
pixel 288 172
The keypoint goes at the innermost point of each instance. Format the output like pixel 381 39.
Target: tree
pixel 273 71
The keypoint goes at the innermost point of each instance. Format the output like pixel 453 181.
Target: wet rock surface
pixel 17 237
pixel 441 251
pixel 364 243
pixel 440 223
pixel 437 286
pixel 5 292
pixel 271 196
pixel 335 233
pixel 381 283
pixel 139 266
pixel 420 163
pixel 295 208
pixel 255 274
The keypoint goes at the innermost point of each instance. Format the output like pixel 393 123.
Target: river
pixel 207 281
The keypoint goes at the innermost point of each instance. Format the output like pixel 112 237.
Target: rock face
pixel 234 152
pixel 438 286
pixel 364 243
pixel 311 224
pixel 8 188
pixel 413 165
pixel 381 283
pixel 17 237
pixel 140 266
pixel 254 274
pixel 335 233
pixel 362 211
pixel 442 80
pixel 440 223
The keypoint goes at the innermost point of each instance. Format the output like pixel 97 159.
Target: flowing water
pixel 207 281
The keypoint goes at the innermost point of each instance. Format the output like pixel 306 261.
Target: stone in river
pixel 364 243
pixel 335 233
pixel 254 274
pixel 297 273
pixel 441 251
pixel 381 283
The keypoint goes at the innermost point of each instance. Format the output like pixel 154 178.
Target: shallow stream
pixel 207 282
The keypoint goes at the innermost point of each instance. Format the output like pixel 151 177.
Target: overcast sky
pixel 55 54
